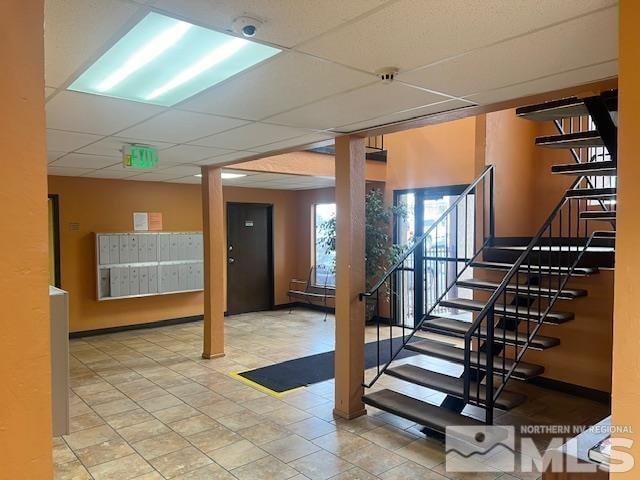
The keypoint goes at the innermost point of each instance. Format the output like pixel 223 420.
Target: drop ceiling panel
pixel 227 157
pixel 78 160
pixel 180 171
pixel 75 31
pixel 189 154
pixel 368 102
pixel 110 173
pixel 286 22
pixel 67 171
pixel 287 81
pixel 63 141
pixel 250 136
pixel 406 115
pixel 80 112
pixel 53 155
pixel 413 33
pixel 112 146
pixel 152 177
pixel 295 142
pixel 564 47
pixel 190 180
pixel 566 79
pixel 181 127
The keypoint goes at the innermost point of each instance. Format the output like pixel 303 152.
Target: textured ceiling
pixel 451 54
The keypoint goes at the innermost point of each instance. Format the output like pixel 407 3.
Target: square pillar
pixel 625 394
pixel 214 262
pixel 350 276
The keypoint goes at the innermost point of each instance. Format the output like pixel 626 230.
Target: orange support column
pixel 626 314
pixel 350 276
pixel 25 369
pixel 214 258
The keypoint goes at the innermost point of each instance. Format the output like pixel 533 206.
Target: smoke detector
pixel 387 74
pixel 246 26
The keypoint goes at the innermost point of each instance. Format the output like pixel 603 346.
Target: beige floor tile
pixel 62 454
pixel 128 419
pixel 115 407
pixel 208 472
pixel 193 425
pixel 82 422
pixel 267 468
pixel 104 452
pixel 187 389
pixel 214 438
pixel 264 432
pixel 290 448
pixel 237 454
pixel 223 408
pixel 238 421
pixel 358 425
pixel 150 476
pixel 341 442
pixel 304 399
pixel 356 473
pixel 180 462
pixel 263 404
pixel 410 470
pixel 389 437
pixel 97 398
pixel 121 469
pixel 160 445
pixel 174 414
pixel 425 452
pixel 90 436
pixel 374 459
pixel 286 415
pixel 73 470
pixel 202 399
pixel 321 465
pixel 312 428
pixel 154 404
pixel 142 431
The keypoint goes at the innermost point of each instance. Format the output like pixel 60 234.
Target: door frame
pixel 270 253
pixel 55 203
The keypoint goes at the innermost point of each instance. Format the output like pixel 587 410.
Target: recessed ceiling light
pixel 225 175
pixel 163 61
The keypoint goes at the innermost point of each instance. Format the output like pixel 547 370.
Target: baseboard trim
pixel 572 389
pixel 137 326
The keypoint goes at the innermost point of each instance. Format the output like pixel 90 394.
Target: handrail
pixel 428 232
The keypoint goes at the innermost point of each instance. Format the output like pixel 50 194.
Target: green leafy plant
pixel 380 251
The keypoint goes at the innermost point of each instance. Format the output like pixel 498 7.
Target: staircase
pixel 484 300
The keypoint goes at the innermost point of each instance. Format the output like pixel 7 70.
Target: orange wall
pixel 626 351
pixel 107 206
pixel 25 369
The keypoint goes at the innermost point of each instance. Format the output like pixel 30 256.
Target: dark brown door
pixel 249 258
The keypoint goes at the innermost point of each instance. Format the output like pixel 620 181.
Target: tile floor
pixel 145 406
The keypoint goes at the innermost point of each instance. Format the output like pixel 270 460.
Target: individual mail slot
pixel 183 277
pixel 143 275
pixel 124 249
pixel 153 279
pixel 133 248
pixel 173 278
pixel 182 247
pixel 164 242
pixel 142 248
pixel 114 281
pixel 124 281
pixel 134 281
pixel 105 283
pixel 173 246
pixel 152 247
pixel 114 249
pixel 191 276
pixel 103 249
pixel 191 248
pixel 199 276
pixel 163 279
pixel 198 246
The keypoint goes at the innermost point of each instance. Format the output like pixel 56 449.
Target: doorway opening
pixel 54 240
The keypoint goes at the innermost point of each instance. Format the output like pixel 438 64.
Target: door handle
pixel 232 260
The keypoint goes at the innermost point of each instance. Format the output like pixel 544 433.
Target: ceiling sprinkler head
pixel 246 26
pixel 387 74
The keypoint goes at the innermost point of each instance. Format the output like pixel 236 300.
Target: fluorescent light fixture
pixel 163 61
pixel 225 175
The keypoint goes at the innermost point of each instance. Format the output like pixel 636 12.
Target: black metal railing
pixel 523 301
pixel 441 255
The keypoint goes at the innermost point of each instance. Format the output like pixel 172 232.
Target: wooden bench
pixel 308 292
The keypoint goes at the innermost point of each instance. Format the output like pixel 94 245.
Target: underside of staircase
pixel 507 288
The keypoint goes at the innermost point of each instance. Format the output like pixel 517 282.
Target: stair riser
pixel 449 333
pixel 522 291
pixel 589 258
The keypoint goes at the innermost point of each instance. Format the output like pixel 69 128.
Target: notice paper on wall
pixel 155 221
pixel 140 221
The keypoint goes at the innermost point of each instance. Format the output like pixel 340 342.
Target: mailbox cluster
pixel 142 264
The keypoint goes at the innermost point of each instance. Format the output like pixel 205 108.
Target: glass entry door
pixel 429 271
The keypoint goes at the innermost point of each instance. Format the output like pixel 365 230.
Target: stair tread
pixel 606 167
pixel 592 193
pixel 534 268
pixel 488 285
pixel 452 385
pixel 604 234
pixel 423 413
pixel 589 138
pixel 598 215
pixel 460 327
pixel 553 316
pixel 554 110
pixel 453 354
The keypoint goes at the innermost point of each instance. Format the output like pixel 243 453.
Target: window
pixel 323 260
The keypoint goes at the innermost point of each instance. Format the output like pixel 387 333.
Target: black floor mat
pixel 316 368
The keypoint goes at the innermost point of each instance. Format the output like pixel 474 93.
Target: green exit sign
pixel 140 156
